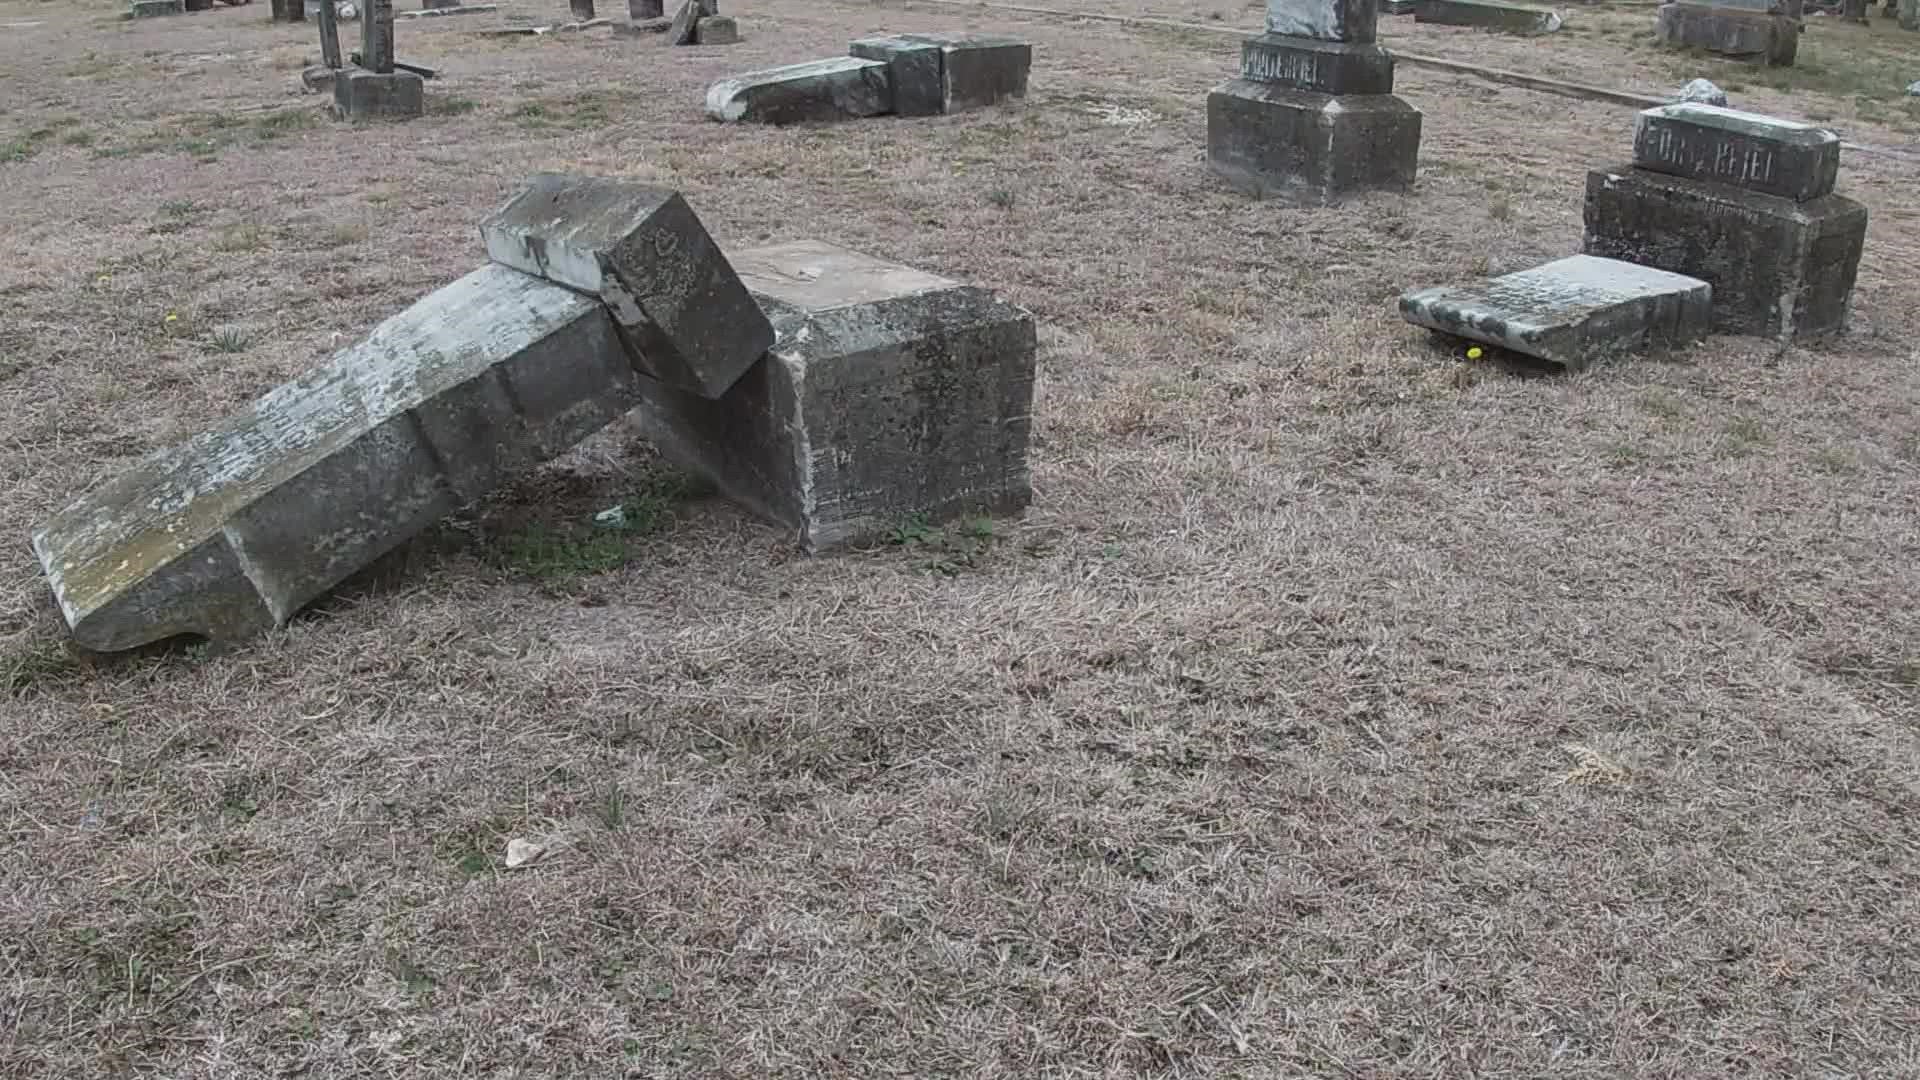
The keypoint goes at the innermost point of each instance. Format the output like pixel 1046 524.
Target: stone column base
pixel 397 95
pixel 1779 268
pixel 1310 149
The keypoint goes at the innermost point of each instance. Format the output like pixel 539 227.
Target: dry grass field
pixel 1340 709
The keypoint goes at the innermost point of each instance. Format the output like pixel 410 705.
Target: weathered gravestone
pixel 889 394
pixel 374 88
pixel 1312 116
pixel 686 317
pixel 232 532
pixel 1523 19
pixel 1742 201
pixel 907 74
pixel 844 87
pixel 1755 36
pixel 1571 312
pixel 145 9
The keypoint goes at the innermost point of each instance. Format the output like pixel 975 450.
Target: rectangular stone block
pixel 1353 21
pixel 1519 19
pixel 1779 268
pixel 146 9
pixel 890 394
pixel 843 88
pixel 1754 36
pixel 1329 67
pixel 233 531
pixel 1762 153
pixel 1572 311
pixel 642 10
pixel 437 5
pixel 716 30
pixel 393 95
pixel 1310 149
pixel 683 311
pixel 915 70
pixel 979 70
pixel 1398 7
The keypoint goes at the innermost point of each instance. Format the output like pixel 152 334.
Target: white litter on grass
pixel 1121 116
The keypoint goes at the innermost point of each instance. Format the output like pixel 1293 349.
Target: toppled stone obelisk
pixel 907 74
pixel 1742 201
pixel 1523 19
pixel 890 393
pixel 1572 311
pixel 1313 116
pixel 233 531
pixel 686 317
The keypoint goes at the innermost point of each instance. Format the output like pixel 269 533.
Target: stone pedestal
pixel 1744 202
pixel 890 394
pixel 716 30
pixel 1313 116
pixel 1522 19
pixel 1754 36
pixel 393 95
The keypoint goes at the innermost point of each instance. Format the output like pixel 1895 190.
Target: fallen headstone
pixel 686 22
pixel 1742 201
pixel 397 95
pixel 683 311
pixel 146 9
pixel 319 78
pixel 1701 92
pixel 1572 312
pixel 641 10
pixel 914 72
pixel 235 530
pixel 642 27
pixel 1522 19
pixel 944 73
pixel 1754 36
pixel 716 30
pixel 889 394
pixel 843 88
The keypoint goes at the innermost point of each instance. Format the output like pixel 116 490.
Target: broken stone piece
pixel 890 393
pixel 641 10
pixel 358 93
pixel 685 23
pixel 979 70
pixel 233 531
pixel 1521 19
pixel 1754 36
pixel 687 318
pixel 1330 67
pixel 1779 269
pixel 319 78
pixel 716 30
pixel 1306 148
pixel 843 88
pixel 915 72
pixel 1353 21
pixel 1750 150
pixel 1571 311
pixel 1702 92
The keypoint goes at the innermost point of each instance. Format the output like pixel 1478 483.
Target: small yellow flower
pixel 171 317
pixel 103 279
pixel 1474 353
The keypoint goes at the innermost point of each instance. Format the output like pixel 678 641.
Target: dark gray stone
pixel 643 27
pixel 1754 36
pixel 685 315
pixel 979 70
pixel 207 5
pixel 232 532
pixel 1572 312
pixel 1398 7
pixel 361 94
pixel 1761 153
pixel 843 88
pixel 914 70
pixel 437 5
pixel 581 10
pixel 1330 67
pixel 1353 21
pixel 1779 268
pixel 685 24
pixel 319 79
pixel 1519 19
pixel 1909 14
pixel 376 36
pixel 146 9
pixel 329 35
pixel 1701 92
pixel 640 10
pixel 890 394
pixel 1310 149
pixel 716 30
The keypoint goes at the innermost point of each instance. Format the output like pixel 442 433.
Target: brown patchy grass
pixel 1338 710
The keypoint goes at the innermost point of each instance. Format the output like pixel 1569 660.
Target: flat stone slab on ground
pixel 1761 153
pixel 1779 269
pixel 1354 21
pixel 1754 36
pixel 146 9
pixel 843 88
pixel 1305 148
pixel 233 531
pixel 1488 15
pixel 684 312
pixel 1572 311
pixel 890 394
pixel 1329 67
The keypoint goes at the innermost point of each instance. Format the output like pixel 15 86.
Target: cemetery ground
pixel 1340 708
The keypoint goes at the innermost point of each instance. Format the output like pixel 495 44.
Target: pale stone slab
pixel 1353 21
pixel 1522 19
pixel 1572 311
pixel 233 531
pixel 843 88
pixel 1755 36
pixel 891 393
pixel 686 317
pixel 1751 150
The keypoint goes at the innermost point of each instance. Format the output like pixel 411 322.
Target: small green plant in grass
pixel 275 124
pixel 612 810
pixel 559 554
pixel 229 340
pixel 336 236
pixel 960 546
pixel 1001 198
pixel 36 666
pixel 452 106
pixel 1747 433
